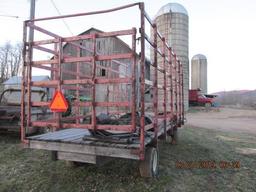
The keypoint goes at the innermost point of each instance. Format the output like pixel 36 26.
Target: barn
pixel 115 68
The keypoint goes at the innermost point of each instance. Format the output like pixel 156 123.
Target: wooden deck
pixel 77 142
pixel 79 145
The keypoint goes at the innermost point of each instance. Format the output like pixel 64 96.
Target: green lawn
pixel 32 170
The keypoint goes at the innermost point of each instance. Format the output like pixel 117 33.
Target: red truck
pixel 198 99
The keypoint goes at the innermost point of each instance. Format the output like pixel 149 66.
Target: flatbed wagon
pixel 122 102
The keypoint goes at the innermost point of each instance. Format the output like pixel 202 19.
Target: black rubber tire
pixel 150 165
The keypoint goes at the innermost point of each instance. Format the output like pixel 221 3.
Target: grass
pixel 32 170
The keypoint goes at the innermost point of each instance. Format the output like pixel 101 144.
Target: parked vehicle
pixel 198 99
pixel 10 102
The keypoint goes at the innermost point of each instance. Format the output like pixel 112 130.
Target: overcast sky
pixel 223 30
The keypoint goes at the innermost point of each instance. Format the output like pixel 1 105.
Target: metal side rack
pixel 119 102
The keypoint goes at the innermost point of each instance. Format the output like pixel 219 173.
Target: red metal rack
pixel 125 72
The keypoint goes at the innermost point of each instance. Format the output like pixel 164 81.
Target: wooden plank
pixel 85 149
pixel 78 157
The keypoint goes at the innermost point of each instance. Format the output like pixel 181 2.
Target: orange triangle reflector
pixel 59 103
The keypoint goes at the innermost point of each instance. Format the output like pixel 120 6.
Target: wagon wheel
pixel 150 165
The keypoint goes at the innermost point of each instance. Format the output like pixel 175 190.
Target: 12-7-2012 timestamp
pixel 207 164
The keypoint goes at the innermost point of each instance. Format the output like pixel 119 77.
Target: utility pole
pixel 30 59
pixel 32 16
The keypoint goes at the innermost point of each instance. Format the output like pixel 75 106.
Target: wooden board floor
pixel 83 136
pixel 75 141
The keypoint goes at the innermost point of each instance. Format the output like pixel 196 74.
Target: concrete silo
pixel 172 22
pixel 199 73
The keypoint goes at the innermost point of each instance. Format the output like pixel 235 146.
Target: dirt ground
pixel 224 119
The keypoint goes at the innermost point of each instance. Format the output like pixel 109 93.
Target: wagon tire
pixel 150 165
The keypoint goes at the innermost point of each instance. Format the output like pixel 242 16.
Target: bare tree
pixel 10 60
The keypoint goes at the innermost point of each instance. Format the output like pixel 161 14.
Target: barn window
pixel 98 45
pixel 80 50
pixel 102 71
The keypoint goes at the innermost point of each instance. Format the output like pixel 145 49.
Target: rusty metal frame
pixel 171 70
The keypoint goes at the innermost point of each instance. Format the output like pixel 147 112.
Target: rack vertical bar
pixel 155 83
pixel 142 82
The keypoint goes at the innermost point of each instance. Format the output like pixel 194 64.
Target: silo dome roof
pixel 172 7
pixel 199 57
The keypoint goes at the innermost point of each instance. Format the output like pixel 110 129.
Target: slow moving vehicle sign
pixel 59 103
